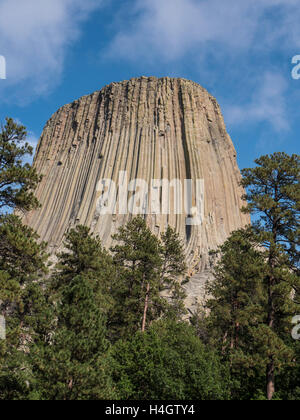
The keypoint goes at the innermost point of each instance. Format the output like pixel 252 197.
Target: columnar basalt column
pixel 153 129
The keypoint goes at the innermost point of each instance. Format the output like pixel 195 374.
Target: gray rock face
pixel 153 129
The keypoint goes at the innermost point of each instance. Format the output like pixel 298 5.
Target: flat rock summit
pixel 152 129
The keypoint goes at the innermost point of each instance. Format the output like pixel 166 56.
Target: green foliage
pixel 146 268
pixel 17 180
pixel 237 289
pixel 105 326
pixel 173 268
pixel 85 256
pixel 256 277
pixel 273 194
pixel 21 256
pixel 237 310
pixel 289 389
pixel 168 361
pixel 73 363
pixel 22 264
pixel 22 301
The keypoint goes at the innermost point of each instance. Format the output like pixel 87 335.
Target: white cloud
pixel 234 35
pixel 34 36
pixel 267 104
pixel 170 28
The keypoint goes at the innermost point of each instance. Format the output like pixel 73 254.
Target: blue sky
pixel 239 50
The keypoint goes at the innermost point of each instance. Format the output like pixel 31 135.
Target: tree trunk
pixel 270 380
pixel 237 332
pixel 224 342
pixel 146 308
pixel 271 322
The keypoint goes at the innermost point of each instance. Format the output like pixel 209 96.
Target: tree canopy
pixel 18 180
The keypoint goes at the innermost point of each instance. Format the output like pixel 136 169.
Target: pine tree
pixel 146 267
pixel 289 378
pixel 172 273
pixel 237 309
pixel 73 363
pixel 17 180
pixel 238 295
pixel 167 362
pixel 22 263
pixel 138 263
pixel 85 256
pixel 273 195
pixel 256 277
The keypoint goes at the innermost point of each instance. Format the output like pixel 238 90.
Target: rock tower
pixel 152 129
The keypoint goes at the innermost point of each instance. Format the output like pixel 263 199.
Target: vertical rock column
pixel 153 129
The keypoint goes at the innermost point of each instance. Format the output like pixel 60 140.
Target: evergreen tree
pixel 85 256
pixel 146 267
pixel 73 363
pixel 288 378
pixel 21 256
pixel 237 290
pixel 173 268
pixel 237 309
pixel 273 195
pixel 256 278
pixel 168 362
pixel 17 180
pixel 22 263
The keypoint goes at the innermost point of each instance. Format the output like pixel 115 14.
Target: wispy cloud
pixel 222 37
pixel 225 39
pixel 34 37
pixel 267 104
pixel 171 28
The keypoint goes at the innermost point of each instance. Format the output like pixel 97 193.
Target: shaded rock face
pixel 153 129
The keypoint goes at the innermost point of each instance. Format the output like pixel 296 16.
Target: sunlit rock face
pixel 152 129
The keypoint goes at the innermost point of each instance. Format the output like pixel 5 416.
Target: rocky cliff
pixel 153 129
